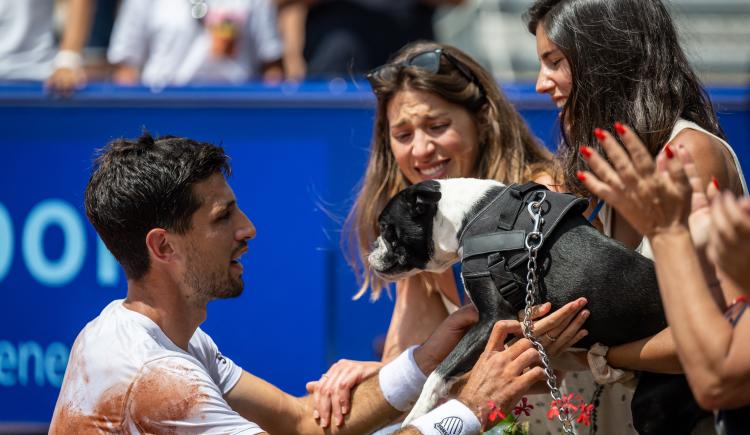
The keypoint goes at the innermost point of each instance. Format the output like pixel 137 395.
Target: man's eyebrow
pixel 221 208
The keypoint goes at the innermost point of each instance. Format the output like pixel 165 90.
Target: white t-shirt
pixel 125 375
pixel 26 40
pixel 173 48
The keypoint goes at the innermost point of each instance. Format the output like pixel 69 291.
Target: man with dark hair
pixel 164 209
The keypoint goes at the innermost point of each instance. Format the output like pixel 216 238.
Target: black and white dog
pixel 426 227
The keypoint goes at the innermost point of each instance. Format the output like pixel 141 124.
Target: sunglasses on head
pixel 427 60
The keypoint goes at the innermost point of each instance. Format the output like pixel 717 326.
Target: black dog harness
pixel 494 253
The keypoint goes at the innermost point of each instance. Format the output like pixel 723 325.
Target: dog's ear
pixel 425 195
pixel 427 192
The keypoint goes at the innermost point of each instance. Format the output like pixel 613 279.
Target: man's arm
pixel 68 65
pixel 501 375
pixel 278 412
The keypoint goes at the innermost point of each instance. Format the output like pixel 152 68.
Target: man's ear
pixel 159 246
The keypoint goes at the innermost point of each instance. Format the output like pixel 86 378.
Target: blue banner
pixel 297 154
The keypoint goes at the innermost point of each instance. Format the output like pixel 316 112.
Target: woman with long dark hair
pixel 605 62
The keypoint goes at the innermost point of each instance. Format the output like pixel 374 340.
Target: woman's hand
pixel 561 329
pixel 332 392
pixel 653 197
pixel 729 238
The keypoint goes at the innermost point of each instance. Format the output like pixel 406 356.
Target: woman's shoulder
pixel 713 157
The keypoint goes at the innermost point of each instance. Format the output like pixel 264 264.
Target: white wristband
pixel 67 59
pixel 450 418
pixel 401 380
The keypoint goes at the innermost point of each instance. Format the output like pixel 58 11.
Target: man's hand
pixel 445 338
pixel 501 375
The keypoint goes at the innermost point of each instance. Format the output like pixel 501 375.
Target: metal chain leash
pixel 533 242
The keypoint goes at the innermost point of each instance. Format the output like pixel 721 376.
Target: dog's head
pixel 405 245
pixel 419 227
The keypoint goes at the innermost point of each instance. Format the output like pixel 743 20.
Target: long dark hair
pixel 627 65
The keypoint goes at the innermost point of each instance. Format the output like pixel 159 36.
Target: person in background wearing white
pixel 27 43
pixel 175 42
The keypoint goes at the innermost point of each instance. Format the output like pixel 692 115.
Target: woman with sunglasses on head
pixel 605 62
pixel 438 115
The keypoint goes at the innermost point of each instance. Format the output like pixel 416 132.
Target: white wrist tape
pixel 450 418
pixel 401 380
pixel 67 59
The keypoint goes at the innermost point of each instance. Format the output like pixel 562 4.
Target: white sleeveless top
pixel 645 248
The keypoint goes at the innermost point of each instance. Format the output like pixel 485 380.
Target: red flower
pixel 524 407
pixel 585 416
pixel 496 414
pixel 565 404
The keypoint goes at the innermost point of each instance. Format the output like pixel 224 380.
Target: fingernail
pixel 585 151
pixel 584 333
pixel 338 421
pixel 344 410
pixel 585 313
pixel 599 133
pixel 668 151
pixel 580 175
pixel 316 414
pixel 715 182
pixel 620 129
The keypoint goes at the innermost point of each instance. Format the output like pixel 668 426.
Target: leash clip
pixel 535 238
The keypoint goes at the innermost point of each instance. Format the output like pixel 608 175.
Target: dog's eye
pixel 419 209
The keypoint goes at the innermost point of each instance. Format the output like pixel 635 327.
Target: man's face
pixel 217 238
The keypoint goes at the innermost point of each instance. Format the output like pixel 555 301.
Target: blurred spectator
pixel 27 43
pixel 174 42
pixel 338 37
pixel 95 52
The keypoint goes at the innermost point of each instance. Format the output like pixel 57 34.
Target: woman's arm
pixel 653 354
pixel 656 199
pixel 416 314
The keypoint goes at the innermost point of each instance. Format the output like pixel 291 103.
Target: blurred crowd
pixel 158 43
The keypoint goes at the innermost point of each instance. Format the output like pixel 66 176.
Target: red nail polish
pixel 668 151
pixel 715 182
pixel 599 133
pixel 580 175
pixel 585 151
pixel 620 129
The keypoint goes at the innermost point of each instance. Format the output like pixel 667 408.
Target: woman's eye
pixel 439 127
pixel 402 137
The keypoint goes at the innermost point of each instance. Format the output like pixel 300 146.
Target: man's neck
pixel 167 305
